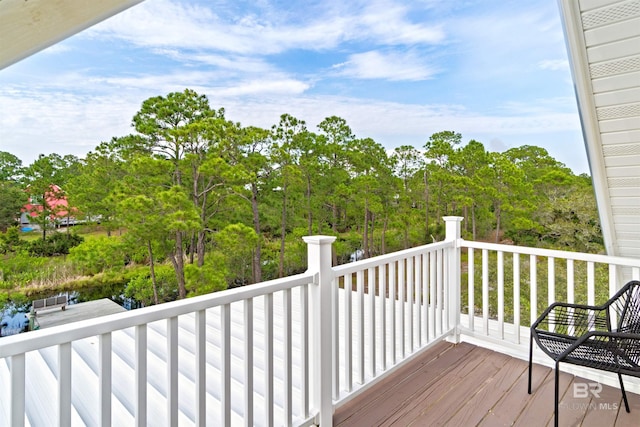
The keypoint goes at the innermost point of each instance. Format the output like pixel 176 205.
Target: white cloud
pixel 554 64
pixel 393 66
pixel 387 23
pixel 165 23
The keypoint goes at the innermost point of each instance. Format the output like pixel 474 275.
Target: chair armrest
pixel 572 320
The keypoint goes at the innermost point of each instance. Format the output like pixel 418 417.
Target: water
pixel 15 318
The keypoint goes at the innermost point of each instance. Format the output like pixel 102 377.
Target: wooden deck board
pixel 466 385
pixel 374 409
pixel 488 395
pixel 452 393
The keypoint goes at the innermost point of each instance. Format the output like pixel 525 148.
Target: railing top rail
pixel 577 256
pixel 22 343
pixel 353 267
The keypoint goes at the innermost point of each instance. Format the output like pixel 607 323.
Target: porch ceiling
pixel 27 27
pixel 603 41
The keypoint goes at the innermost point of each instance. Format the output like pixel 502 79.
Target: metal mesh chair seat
pixel 584 335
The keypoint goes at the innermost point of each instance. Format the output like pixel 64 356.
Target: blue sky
pixel 493 70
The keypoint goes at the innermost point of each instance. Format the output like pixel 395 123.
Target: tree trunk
pixel 310 213
pixel 153 273
pixel 177 259
pixel 192 247
pixel 365 230
pixel 283 231
pixel 498 218
pixel 426 207
pixel 200 247
pixel 383 242
pixel 473 221
pixel 256 261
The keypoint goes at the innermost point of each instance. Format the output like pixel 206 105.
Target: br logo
pixel 582 390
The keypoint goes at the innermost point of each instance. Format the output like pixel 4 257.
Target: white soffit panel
pixel 603 40
pixel 28 26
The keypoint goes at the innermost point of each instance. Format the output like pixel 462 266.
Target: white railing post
pixel 321 351
pixel 453 274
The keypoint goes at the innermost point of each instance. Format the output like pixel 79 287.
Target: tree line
pixel 226 204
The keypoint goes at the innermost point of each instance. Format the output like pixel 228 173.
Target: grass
pixel 542 279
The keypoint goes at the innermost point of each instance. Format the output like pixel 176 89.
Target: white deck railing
pixel 285 352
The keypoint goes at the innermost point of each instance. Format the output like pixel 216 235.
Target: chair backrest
pixel 626 304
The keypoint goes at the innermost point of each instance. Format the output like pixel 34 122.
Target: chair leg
pixel 557 393
pixel 530 361
pixel 624 394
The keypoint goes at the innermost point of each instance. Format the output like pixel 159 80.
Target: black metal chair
pixel 605 337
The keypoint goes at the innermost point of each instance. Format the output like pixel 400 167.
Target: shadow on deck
pixel 465 385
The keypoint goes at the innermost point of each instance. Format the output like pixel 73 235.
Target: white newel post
pixel 453 274
pixel 320 366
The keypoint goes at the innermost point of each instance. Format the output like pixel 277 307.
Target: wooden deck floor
pixel 465 385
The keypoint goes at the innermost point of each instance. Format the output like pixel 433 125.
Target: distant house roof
pixel 56 202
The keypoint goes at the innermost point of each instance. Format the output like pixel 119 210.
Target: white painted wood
pixel 440 291
pixel 591 283
pixel 268 359
pixel 17 390
pixel 516 297
pixel 471 288
pixel 225 367
pixel 172 370
pixel 104 379
pixel 433 292
pixel 360 336
pixel 402 286
pixel 335 338
pixel 288 359
pixel 485 291
pixel 570 282
pixel 410 285
pixel 141 375
pixel 382 315
pixel 348 325
pixel 533 287
pixel 418 301
pixel 425 298
pixel 551 280
pixel 305 345
pixel 201 368
pixel 393 314
pixel 371 281
pixel 319 261
pixel 500 268
pixel 248 362
pixel 64 384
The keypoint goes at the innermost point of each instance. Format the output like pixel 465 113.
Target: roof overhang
pixel 603 43
pixel 27 27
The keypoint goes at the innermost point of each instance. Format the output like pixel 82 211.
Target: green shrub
pixel 98 254
pixel 55 244
pixel 140 286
